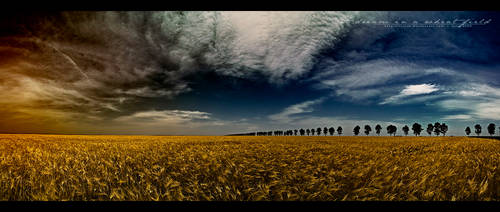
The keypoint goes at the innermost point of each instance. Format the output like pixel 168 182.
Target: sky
pixel 223 72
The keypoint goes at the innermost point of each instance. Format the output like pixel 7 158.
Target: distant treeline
pixel 436 128
pixel 242 134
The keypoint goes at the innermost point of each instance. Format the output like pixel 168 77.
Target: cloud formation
pixel 478 101
pixel 89 67
pixel 412 90
pixel 96 62
pixel 164 117
pixel 418 89
pixel 287 115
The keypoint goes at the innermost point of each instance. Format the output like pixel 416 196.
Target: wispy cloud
pixel 164 117
pixel 458 117
pixel 287 114
pixel 478 101
pixel 381 78
pixel 281 45
pixel 412 90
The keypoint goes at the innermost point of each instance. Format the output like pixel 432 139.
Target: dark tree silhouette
pixel 378 128
pixel 356 130
pixel 437 128
pixel 368 129
pixel 444 128
pixel 302 131
pixel 478 129
pixel 318 130
pixel 430 128
pixel 295 131
pixel 467 131
pixel 262 133
pixel 391 129
pixel 405 129
pixel 339 130
pixel 417 128
pixel 308 131
pixel 325 131
pixel 331 130
pixel 491 129
pixel 313 131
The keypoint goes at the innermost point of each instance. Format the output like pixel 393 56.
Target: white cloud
pixel 418 89
pixel 379 78
pixel 164 116
pixel 455 104
pixel 478 90
pixel 470 93
pixel 488 110
pixel 149 92
pixel 458 117
pixel 411 90
pixel 475 108
pixel 480 101
pixel 287 113
pixel 370 73
pixel 281 44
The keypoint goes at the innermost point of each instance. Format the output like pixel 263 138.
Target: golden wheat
pixel 60 167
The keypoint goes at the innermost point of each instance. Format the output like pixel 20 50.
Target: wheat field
pixel 76 167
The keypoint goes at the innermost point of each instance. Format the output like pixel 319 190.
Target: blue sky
pixel 215 73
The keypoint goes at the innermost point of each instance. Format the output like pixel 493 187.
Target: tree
pixel 339 130
pixel 318 130
pixel 295 132
pixel 444 128
pixel 331 130
pixel 356 130
pixel 417 128
pixel 437 128
pixel 368 129
pixel 302 131
pixel 491 129
pixel 312 131
pixel 308 131
pixel 391 129
pixel 430 128
pixel 406 129
pixel 325 131
pixel 378 128
pixel 467 131
pixel 478 129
